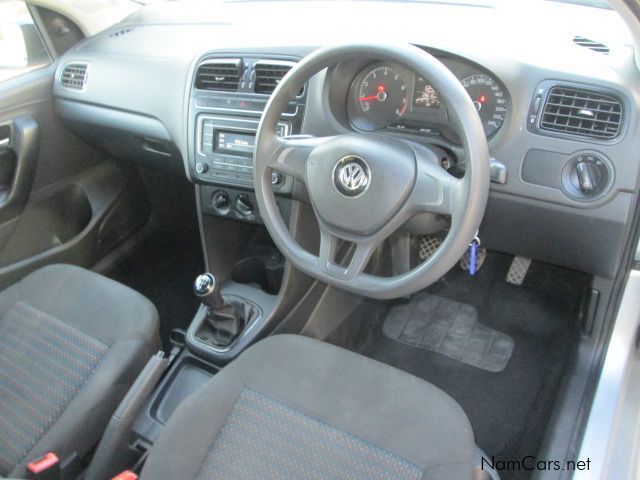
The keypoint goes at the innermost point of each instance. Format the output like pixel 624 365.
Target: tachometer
pixel 381 97
pixel 489 99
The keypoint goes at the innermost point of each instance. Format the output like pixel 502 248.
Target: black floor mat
pixel 163 269
pixel 509 410
pixel 449 328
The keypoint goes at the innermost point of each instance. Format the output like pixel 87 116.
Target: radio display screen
pixel 235 143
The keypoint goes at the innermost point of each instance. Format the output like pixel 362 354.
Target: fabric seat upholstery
pixel 292 407
pixel 71 344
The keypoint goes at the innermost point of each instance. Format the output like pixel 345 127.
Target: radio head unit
pixel 225 148
pixel 229 93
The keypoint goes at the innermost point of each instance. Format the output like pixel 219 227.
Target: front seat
pixel 295 408
pixel 71 344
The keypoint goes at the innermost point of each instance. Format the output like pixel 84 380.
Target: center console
pixel 251 290
pixel 228 97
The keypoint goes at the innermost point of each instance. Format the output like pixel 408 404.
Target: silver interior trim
pixel 602 435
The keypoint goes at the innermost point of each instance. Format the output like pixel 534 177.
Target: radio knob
pixel 201 168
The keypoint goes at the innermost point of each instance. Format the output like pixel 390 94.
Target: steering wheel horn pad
pixel 384 168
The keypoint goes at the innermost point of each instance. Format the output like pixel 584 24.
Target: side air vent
pixel 269 74
pixel 74 76
pixel 582 112
pixel 591 44
pixel 219 75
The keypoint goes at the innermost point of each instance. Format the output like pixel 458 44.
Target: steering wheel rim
pixel 431 189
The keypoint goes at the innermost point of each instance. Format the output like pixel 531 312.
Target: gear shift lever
pixel 225 319
pixel 206 288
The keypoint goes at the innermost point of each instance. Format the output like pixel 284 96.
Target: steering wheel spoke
pixel 329 246
pixel 292 153
pixel 436 190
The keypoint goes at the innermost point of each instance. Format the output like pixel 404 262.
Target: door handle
pixel 5 137
pixel 19 140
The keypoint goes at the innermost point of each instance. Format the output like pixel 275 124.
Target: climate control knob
pixel 244 205
pixel 221 202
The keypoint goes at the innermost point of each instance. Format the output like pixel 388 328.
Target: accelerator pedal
pixel 518 270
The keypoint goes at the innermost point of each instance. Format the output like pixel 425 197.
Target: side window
pixel 21 46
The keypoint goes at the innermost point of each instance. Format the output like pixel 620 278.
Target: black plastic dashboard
pixel 140 103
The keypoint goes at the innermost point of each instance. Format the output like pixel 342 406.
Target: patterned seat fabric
pixel 291 407
pixel 264 438
pixel 44 364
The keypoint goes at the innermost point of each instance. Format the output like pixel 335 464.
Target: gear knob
pixel 207 289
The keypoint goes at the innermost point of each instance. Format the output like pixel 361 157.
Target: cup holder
pixel 264 273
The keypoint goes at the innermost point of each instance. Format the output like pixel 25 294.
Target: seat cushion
pixel 71 343
pixel 292 407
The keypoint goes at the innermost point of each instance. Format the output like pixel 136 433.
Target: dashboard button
pixel 276 178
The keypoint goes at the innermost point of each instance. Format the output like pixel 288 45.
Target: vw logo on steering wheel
pixel 351 176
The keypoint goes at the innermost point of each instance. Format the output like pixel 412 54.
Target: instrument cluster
pixel 384 95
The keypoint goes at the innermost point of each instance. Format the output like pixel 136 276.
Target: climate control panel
pixel 236 204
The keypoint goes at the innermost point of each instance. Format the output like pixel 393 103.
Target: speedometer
pixel 489 99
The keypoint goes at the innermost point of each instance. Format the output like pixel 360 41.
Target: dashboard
pixel 182 86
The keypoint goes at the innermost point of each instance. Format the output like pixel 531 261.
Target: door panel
pixel 61 200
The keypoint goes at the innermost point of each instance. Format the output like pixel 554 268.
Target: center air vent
pixel 591 44
pixel 587 113
pixel 269 74
pixel 219 75
pixel 74 76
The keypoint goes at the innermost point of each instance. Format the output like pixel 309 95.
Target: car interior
pixel 291 240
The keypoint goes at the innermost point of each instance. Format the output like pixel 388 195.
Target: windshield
pixel 586 3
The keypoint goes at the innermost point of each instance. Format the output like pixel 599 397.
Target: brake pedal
pixel 518 270
pixel 481 256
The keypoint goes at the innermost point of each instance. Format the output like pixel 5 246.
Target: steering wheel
pixel 364 186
